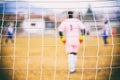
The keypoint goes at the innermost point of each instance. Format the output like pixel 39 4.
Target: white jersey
pixel 71 27
pixel 10 30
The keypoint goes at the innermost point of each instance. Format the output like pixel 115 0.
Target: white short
pixel 72 48
pixel 72 45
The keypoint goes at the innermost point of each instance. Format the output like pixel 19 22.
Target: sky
pixel 76 5
pixel 60 5
pixel 69 3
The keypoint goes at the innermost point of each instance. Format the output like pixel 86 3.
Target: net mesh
pixel 37 52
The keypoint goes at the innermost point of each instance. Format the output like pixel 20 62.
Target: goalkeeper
pixel 69 31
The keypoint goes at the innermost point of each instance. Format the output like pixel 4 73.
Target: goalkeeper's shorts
pixel 72 48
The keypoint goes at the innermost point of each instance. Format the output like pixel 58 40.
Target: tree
pixel 89 14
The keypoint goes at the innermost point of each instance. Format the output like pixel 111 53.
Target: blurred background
pixel 49 14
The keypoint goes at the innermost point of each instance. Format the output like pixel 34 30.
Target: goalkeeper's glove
pixel 63 39
pixel 81 39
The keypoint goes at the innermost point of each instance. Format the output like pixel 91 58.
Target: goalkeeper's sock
pixel 75 60
pixel 72 62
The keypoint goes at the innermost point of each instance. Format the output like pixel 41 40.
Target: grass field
pixel 36 58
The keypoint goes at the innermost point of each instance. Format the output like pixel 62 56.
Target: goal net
pixel 35 51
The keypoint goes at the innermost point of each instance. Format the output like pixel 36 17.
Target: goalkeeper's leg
pixel 72 58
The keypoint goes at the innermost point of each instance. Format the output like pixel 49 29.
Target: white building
pixel 34 24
